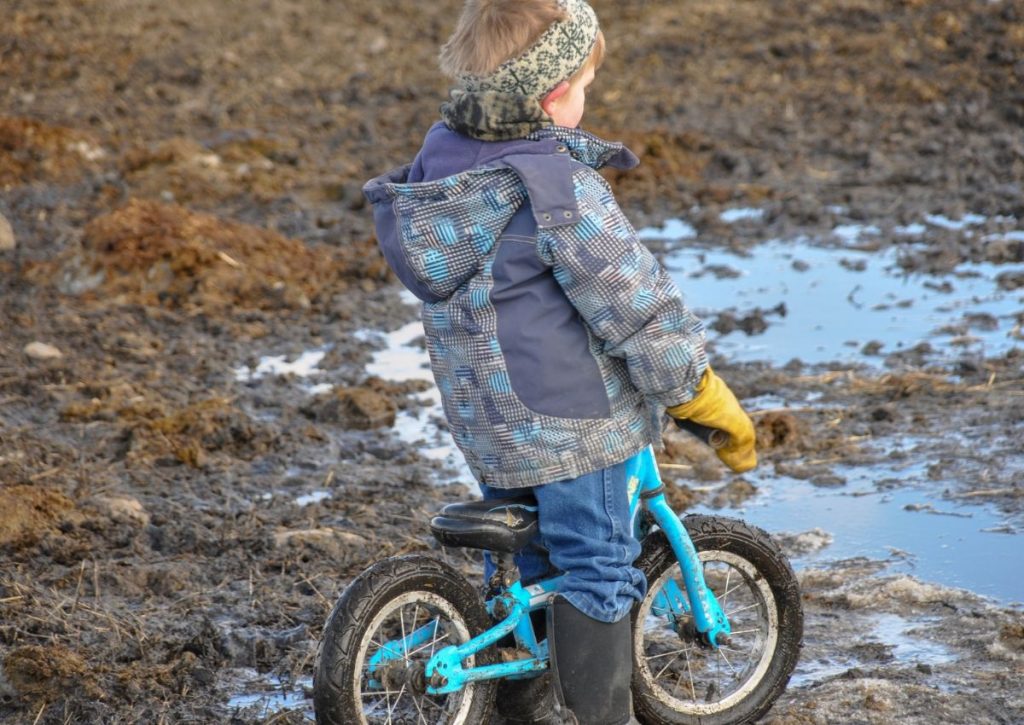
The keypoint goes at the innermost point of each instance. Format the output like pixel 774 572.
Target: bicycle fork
pixel 709 620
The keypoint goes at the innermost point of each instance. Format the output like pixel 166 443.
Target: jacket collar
pixel 589 149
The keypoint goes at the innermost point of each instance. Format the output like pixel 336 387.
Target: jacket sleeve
pixel 624 294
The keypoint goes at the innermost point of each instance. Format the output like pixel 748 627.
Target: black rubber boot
pixel 591 665
pixel 528 702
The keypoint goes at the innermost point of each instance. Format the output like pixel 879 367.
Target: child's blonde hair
pixel 490 32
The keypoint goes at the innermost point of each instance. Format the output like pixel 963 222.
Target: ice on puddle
pixel 901 637
pixel 398 360
pixel 312 497
pixel 943 221
pixel 675 229
pixel 1017 235
pixel 731 216
pixel 806 542
pixel 851 234
pixel 910 230
pixel 302 366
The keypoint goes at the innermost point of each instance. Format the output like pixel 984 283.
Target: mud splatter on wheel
pixel 415 604
pixel 677 678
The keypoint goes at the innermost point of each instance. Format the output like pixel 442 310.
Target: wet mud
pixel 183 494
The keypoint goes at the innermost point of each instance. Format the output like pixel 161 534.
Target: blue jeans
pixel 587 534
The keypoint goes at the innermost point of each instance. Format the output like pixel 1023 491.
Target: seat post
pixel 506 573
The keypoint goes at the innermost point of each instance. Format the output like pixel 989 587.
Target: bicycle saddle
pixel 503 525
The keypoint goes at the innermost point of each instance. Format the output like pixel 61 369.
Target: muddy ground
pixel 181 182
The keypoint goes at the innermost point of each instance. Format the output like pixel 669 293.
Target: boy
pixel 555 337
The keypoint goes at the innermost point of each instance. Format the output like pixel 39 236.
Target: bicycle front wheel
pixel 385 627
pixel 677 678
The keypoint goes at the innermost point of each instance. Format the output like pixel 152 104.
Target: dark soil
pixel 183 184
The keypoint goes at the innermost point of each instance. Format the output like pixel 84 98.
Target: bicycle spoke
pixel 377 693
pixel 391 710
pixel 387 702
pixel 745 631
pixel 689 670
pixel 416 704
pixel 662 671
pixel 405 651
pixel 391 706
pixel 725 597
pixel 373 706
pixel 729 591
pixel 436 705
pixel 727 662
pixel 742 609
pixel 437 623
pixel 668 654
pixel 432 643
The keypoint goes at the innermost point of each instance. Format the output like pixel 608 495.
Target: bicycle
pixel 411 640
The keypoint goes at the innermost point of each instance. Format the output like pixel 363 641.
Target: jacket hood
pixel 438 217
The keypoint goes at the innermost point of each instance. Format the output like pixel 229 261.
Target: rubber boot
pixel 528 702
pixel 591 666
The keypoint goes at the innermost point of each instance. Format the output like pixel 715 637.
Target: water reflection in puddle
pixel 834 302
pixel 956 545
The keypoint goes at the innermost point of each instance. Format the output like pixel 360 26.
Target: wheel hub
pixel 396 675
pixel 688 634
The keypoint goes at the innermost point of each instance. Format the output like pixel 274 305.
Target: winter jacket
pixel 555 337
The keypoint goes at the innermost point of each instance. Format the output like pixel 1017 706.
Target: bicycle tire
pixel 341 693
pixel 770 587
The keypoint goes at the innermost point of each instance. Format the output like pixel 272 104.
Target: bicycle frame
pixel 445 673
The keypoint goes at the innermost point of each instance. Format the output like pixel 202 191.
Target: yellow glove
pixel 716 407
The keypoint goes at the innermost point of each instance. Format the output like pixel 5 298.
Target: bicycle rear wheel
pixel 385 627
pixel 677 679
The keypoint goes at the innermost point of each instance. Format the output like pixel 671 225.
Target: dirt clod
pixel 47 672
pixel 27 513
pixel 775 429
pixel 7 238
pixel 359 407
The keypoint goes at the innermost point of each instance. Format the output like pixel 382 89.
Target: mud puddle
pixel 901 638
pixel 265 694
pixel 889 512
pixel 841 298
pixel 401 358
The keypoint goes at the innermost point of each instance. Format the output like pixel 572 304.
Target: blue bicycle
pixel 714 641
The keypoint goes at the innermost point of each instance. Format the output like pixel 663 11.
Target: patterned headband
pixel 556 55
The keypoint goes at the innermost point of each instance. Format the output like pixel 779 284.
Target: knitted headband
pixel 556 55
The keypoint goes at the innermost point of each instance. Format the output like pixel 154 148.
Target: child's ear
pixel 548 101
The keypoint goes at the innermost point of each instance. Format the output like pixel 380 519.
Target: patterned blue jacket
pixel 555 337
